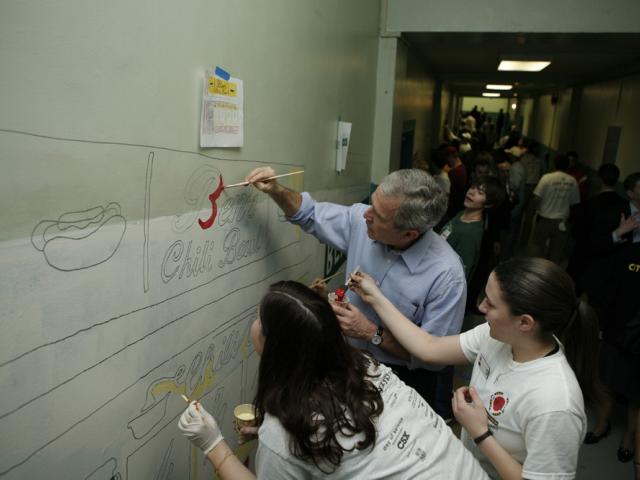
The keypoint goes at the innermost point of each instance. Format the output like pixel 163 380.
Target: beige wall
pixel 612 103
pixel 413 100
pixel 597 107
pixel 550 121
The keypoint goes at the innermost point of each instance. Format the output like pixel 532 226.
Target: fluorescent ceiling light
pixel 523 65
pixel 490 94
pixel 499 87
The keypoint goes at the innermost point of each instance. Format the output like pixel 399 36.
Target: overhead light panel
pixel 523 65
pixel 499 87
pixel 490 94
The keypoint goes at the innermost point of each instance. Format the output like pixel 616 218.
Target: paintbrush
pixel 244 184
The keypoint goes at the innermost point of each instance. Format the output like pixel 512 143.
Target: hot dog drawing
pixel 82 239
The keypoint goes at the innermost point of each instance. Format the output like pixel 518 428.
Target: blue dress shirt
pixel 425 282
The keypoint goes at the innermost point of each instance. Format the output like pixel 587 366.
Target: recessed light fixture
pixel 523 65
pixel 499 87
pixel 490 94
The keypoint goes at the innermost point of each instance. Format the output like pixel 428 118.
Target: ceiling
pixel 466 62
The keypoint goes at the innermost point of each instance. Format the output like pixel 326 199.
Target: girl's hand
pixel 200 427
pixel 469 411
pixel 365 286
pixel 320 287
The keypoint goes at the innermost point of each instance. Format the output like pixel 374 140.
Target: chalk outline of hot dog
pixel 69 243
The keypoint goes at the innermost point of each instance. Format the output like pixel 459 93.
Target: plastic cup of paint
pixel 244 416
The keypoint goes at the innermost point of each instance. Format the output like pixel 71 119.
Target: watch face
pixel 376 339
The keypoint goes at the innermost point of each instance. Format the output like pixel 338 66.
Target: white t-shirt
pixel 538 406
pixel 412 442
pixel 557 191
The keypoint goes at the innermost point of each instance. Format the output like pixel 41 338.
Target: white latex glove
pixel 200 427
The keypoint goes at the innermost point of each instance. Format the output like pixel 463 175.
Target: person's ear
pixel 526 323
pixel 411 235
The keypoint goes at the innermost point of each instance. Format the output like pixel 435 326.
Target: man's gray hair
pixel 424 202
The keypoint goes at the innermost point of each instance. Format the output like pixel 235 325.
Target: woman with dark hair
pixel 326 410
pixel 533 363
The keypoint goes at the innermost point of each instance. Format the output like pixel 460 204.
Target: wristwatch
pixel 377 337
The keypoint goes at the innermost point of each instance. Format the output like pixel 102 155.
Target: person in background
pixel 578 173
pixel 533 368
pixel 532 165
pixel 555 194
pixel 464 231
pixel 517 190
pixel 499 124
pixel 630 224
pixel 592 230
pixel 611 280
pixel 465 144
pixel 394 239
pixel 326 410
pixel 469 122
pixel 482 165
pixel 500 217
pixel 619 307
pixel 458 179
pixel 438 167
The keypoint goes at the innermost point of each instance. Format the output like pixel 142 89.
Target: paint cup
pixel 244 416
pixel 332 297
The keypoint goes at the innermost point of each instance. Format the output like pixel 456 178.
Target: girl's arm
pixel 418 342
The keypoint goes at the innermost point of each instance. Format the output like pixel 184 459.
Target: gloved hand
pixel 200 427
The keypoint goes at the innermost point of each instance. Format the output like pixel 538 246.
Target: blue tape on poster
pixel 222 74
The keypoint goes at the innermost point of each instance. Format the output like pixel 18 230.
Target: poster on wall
pixel 221 124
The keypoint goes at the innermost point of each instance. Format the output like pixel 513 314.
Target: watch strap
pixel 479 439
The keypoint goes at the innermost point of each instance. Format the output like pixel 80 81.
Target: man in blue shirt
pixel 393 241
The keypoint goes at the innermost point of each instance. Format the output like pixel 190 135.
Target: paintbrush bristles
pixel 244 184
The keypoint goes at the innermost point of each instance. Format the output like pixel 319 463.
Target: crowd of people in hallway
pixel 588 224
pixel 362 388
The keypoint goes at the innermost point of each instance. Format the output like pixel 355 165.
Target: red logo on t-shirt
pixel 497 403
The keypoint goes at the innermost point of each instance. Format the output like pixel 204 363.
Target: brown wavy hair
pixel 311 379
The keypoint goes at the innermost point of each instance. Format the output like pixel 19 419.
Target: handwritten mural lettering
pixel 204 224
pixel 189 263
pixel 237 208
pixel 235 248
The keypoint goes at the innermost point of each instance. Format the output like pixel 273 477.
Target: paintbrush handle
pixel 244 184
pixel 332 276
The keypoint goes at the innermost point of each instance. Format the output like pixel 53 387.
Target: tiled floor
pixel 599 461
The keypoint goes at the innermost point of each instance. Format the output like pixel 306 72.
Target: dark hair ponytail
pixel 540 288
pixel 580 340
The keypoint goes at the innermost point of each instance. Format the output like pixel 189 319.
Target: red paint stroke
pixel 214 208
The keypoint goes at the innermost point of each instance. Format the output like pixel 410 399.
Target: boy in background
pixel 464 231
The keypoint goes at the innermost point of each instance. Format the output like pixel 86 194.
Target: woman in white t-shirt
pixel 327 410
pixel 533 363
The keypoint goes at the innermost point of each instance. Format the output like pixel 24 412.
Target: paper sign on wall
pixel 221 124
pixel 342 145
